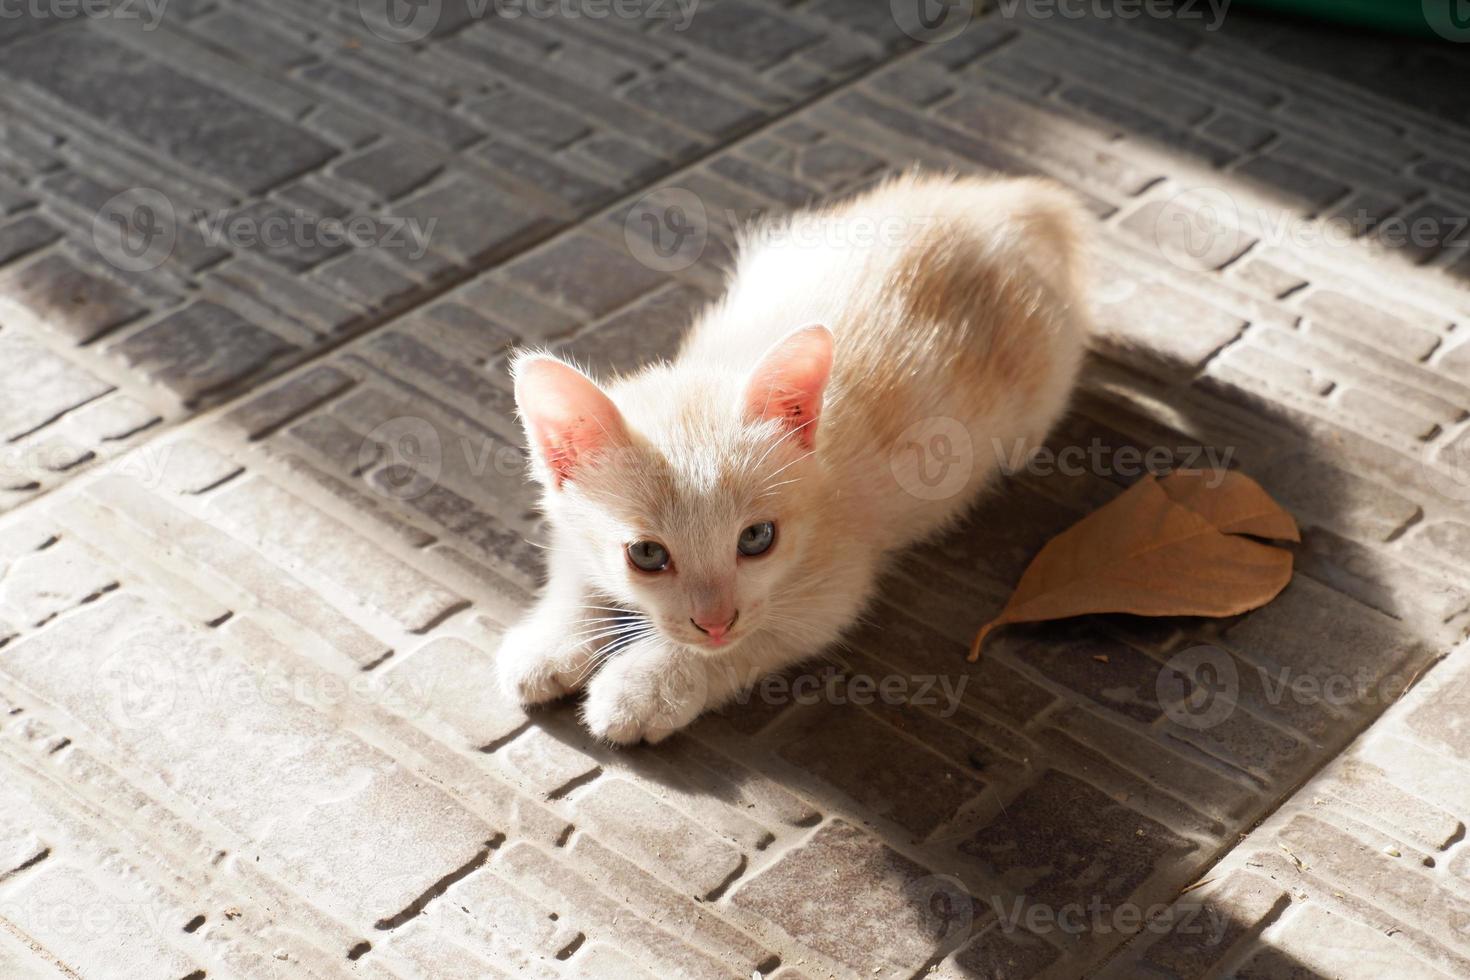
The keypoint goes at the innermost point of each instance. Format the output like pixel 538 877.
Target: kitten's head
pixel 683 494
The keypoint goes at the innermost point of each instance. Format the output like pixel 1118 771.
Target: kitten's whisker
pixel 591 635
pixel 609 619
pixel 606 628
pixel 588 636
pixel 606 653
pixel 619 635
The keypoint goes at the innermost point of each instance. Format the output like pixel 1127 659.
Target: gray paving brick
pixel 1154 320
pixel 82 644
pixel 1073 824
pixel 253 38
pixel 67 298
pixel 1377 581
pixel 310 559
pixel 527 116
pixel 267 411
pixel 471 223
pixel 210 548
pixel 1143 122
pixel 690 104
pixel 1237 131
pixel 882 924
pixel 586 273
pixel 867 760
pixel 201 347
pixel 24 235
pixel 1003 953
pixel 414 357
pixel 183 118
pixel 300 536
pixel 790 193
pixel 645 332
pixel 1334 310
pixel 1290 180
pixel 629 162
pixel 744 32
pixel 365 277
pixel 356 85
pixel 601 915
pixel 696 860
pixel 1349 645
pixel 1339 499
pixel 536 171
pixel 47 385
pixel 390 169
pixel 1209 926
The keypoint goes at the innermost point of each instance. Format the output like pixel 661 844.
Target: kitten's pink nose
pixel 716 627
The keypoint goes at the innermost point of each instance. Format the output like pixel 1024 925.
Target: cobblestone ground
pixel 266 518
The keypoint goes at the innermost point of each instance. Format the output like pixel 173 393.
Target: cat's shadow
pixel 1062 733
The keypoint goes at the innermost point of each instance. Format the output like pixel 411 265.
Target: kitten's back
pixel 954 297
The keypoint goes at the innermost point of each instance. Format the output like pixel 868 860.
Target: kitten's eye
pixel 648 556
pixel 757 539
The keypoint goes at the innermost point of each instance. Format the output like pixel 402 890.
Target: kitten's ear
pixel 788 382
pixel 567 417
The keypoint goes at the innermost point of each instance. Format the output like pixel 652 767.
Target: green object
pixel 1445 19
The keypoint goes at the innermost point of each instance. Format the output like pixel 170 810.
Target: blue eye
pixel 757 539
pixel 648 556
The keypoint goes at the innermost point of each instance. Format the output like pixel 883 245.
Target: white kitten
pixel 726 515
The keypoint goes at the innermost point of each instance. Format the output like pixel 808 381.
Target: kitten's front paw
pixel 645 693
pixel 537 665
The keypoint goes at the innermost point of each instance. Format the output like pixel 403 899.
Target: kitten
pixel 726 515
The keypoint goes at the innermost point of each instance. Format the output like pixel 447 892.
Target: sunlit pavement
pixel 266 519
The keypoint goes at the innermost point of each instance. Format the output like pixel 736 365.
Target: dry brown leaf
pixel 1170 547
pixel 1231 501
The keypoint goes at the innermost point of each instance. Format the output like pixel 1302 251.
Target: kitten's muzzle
pixel 716 630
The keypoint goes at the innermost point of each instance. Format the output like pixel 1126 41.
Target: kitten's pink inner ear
pixel 567 417
pixel 788 382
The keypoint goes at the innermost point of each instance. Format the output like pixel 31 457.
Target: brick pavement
pixel 268 518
